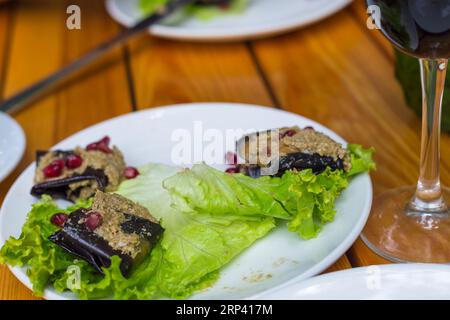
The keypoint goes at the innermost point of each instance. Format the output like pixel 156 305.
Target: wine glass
pixel 412 224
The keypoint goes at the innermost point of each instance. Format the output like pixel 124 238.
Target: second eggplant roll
pixel 294 149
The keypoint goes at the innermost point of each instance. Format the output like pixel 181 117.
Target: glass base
pixel 400 233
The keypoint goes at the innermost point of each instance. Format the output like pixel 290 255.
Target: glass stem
pixel 428 195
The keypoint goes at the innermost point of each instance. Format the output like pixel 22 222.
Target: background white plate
pixel 279 259
pixel 395 281
pixel 12 144
pixel 262 18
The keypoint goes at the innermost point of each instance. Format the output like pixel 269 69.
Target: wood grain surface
pixel 336 72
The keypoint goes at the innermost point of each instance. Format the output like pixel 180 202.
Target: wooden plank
pixel 26 48
pixel 95 94
pixel 5 29
pixel 32 24
pixel 10 287
pixel 101 91
pixel 336 73
pixel 166 72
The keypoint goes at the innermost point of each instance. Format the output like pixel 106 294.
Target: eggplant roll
pixel 113 226
pixel 78 173
pixel 295 148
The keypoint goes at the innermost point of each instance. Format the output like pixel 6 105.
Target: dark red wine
pixel 418 27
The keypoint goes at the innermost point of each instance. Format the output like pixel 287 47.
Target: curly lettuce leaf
pixel 45 261
pixel 361 159
pixel 310 199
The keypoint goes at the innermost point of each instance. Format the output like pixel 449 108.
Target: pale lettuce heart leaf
pixel 206 190
pixel 304 199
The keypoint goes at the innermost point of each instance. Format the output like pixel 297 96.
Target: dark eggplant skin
pixel 142 227
pixel 78 240
pixel 302 161
pixel 253 171
pixel 299 161
pixel 58 188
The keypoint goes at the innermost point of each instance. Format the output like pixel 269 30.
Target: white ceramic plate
pixel 12 145
pixel 396 281
pixel 262 18
pixel 279 259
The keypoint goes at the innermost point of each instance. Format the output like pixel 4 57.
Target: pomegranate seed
pixel 92 146
pixel 59 219
pixel 130 172
pixel 106 139
pixel 101 145
pixel 58 162
pixel 288 133
pixel 232 170
pixel 291 133
pixel 93 220
pixel 73 161
pixel 54 169
pixel 231 158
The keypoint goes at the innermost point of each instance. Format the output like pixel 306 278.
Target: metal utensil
pixel 19 100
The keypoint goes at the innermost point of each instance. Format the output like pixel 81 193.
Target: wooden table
pixel 336 72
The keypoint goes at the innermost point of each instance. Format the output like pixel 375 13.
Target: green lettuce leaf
pixel 361 159
pixel 201 12
pixel 310 199
pixel 45 261
pixel 149 6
